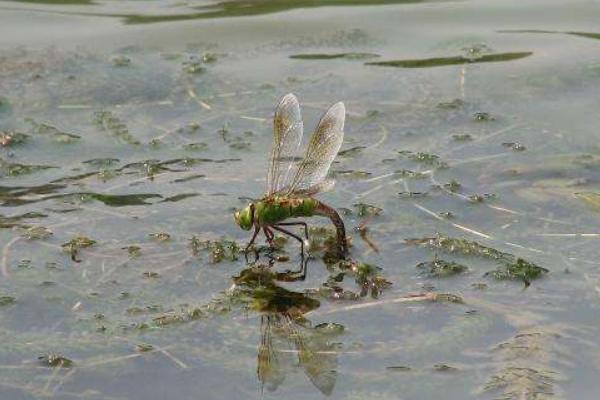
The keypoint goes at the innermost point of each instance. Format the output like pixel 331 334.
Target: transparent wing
pixel 322 149
pixel 287 136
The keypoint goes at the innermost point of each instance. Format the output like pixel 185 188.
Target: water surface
pixel 132 130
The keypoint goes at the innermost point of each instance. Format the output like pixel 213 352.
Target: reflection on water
pixel 286 343
pixel 242 8
pixel 287 339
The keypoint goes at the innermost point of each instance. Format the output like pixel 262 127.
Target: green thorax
pixel 272 210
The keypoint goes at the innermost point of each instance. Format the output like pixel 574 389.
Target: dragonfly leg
pixel 296 223
pixel 294 276
pixel 256 230
pixel 270 235
pixel 298 238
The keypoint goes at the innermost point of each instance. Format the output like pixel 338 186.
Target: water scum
pixel 120 257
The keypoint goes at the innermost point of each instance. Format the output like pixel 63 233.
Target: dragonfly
pixel 291 185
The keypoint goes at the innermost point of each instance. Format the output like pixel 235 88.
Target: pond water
pixel 130 132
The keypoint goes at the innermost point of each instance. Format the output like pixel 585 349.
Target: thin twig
pixel 409 298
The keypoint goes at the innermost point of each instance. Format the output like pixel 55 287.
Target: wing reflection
pixel 288 340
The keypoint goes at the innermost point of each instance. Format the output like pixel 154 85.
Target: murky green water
pixel 130 131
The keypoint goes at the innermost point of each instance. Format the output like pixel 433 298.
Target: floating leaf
pixel 458 60
pixel 331 56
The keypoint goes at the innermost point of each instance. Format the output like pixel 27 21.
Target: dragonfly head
pixel 245 217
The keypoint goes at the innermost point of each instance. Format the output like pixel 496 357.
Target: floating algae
pixel 218 250
pixel 15 169
pixel 439 268
pixel 518 270
pixel 55 360
pixel 7 300
pixel 460 246
pixel 425 158
pixel 367 210
pixel 74 245
pixel 108 121
pixel 511 268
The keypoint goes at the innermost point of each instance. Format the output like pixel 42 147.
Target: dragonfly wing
pixel 320 187
pixel 322 149
pixel 287 136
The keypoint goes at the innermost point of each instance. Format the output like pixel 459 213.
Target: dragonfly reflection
pixel 287 339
